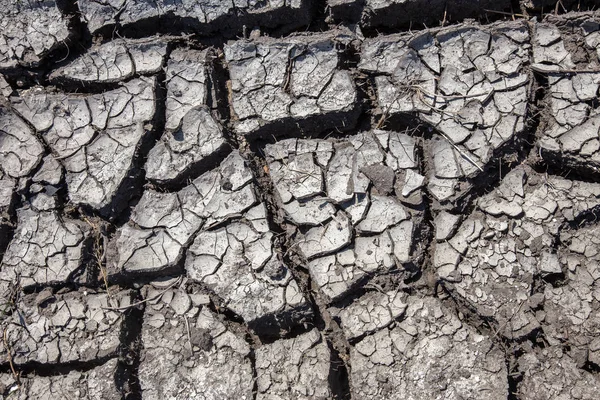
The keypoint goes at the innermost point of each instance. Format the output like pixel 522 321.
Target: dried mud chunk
pixel 469 83
pixel 371 312
pixel 291 83
pixel 429 354
pixel 45 248
pixel 551 374
pixel 349 204
pixel 71 327
pixel 163 224
pixel 338 275
pixel 192 133
pixel 95 383
pixel 199 137
pixel 297 368
pixel 108 159
pixel 115 61
pixel 20 151
pixel 203 16
pixel 383 213
pixel 403 13
pixel 189 353
pixel 30 30
pixel 97 138
pixel 445 225
pixel 66 122
pixel 188 76
pixel 498 252
pixel 240 264
pixel 50 172
pixel 561 47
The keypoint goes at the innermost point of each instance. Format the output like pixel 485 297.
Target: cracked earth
pixel 299 199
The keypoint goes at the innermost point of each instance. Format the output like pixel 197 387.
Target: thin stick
pixel 504 13
pixel 385 114
pixel 100 264
pixel 462 153
pixel 10 358
pixel 456 96
pixel 189 335
pixel 445 13
pixel 143 301
pixel 565 71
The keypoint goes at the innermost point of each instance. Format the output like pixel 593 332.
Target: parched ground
pixel 299 199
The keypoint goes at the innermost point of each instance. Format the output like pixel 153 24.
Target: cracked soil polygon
pixel 291 84
pixel 469 84
pixel 351 202
pixel 192 130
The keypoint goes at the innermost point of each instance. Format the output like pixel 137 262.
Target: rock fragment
pixel 293 83
pixel 295 368
pixel 192 132
pixel 77 326
pixel 97 138
pixel 498 252
pixel 469 83
pixel 30 32
pixel 188 352
pixel 429 354
pixel 346 199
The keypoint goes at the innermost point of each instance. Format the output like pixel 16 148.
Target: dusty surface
pixel 188 350
pixel 299 199
pixel 428 354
